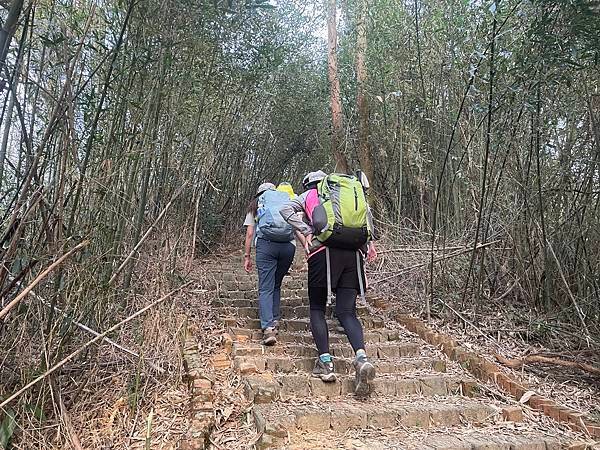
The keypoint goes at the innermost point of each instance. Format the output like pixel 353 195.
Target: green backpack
pixel 340 217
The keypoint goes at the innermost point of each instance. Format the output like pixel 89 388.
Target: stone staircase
pixel 419 399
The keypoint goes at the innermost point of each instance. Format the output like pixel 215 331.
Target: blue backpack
pixel 270 223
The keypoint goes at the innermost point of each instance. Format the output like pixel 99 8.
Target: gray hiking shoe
pixel 324 371
pixel 269 336
pixel 365 373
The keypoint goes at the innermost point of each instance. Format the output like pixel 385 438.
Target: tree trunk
pixel 6 133
pixel 341 163
pixel 364 150
pixel 7 32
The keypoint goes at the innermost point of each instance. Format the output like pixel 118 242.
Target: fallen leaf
pixel 526 396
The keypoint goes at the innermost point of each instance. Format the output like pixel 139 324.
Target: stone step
pixel 287 312
pixel 286 364
pixel 335 337
pixel 267 388
pixel 222 302
pixel 234 263
pixel 500 436
pixel 295 324
pixel 253 301
pixel 224 276
pixel 278 419
pixel 237 271
pixel 381 350
pixel 249 284
pixel 253 293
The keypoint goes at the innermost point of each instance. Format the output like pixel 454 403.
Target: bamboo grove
pixel 478 122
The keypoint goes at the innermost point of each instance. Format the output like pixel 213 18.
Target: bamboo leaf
pixel 7 428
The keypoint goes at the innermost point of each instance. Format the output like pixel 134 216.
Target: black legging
pixel 345 310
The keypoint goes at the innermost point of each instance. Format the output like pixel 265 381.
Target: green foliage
pixel 8 425
pixel 567 32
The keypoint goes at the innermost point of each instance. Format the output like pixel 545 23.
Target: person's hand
pixel 308 243
pixel 247 264
pixel 371 252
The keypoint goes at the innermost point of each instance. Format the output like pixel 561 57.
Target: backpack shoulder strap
pixel 323 186
pixel 311 202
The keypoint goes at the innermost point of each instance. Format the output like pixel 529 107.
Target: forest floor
pixel 497 323
pixel 513 332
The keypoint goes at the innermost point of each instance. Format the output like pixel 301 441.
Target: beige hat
pixel 264 187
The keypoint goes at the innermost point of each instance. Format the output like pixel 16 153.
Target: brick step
pixel 286 364
pixel 267 388
pixel 501 436
pixel 490 440
pixel 335 337
pixel 233 263
pixel 247 284
pixel 295 324
pixel 381 350
pixel 237 271
pixel 241 276
pixel 245 302
pixel 287 312
pixel 278 419
pixel 253 293
pixel 253 301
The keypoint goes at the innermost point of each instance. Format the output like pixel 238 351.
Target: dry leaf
pixel 526 396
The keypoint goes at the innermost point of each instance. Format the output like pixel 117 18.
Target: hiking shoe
pixel 269 336
pixel 276 326
pixel 324 371
pixel 365 373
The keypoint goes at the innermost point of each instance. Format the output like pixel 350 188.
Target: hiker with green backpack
pixel 338 231
pixel 275 248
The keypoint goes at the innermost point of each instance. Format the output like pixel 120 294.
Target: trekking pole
pixel 360 271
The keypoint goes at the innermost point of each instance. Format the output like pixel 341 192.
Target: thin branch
pixel 87 344
pixel 518 363
pixel 141 241
pixel 439 249
pixel 451 255
pixel 40 277
pixel 571 296
pixel 93 332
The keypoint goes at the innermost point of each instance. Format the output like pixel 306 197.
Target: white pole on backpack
pixel 360 271
pixel 328 263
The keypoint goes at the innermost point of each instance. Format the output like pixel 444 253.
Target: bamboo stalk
pixel 145 236
pixel 518 363
pixel 148 444
pixel 439 249
pixel 95 333
pixel 88 343
pixel 39 278
pixel 442 258
pixel 66 417
pixel 571 296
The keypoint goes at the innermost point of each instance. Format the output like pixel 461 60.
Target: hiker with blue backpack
pixel 275 248
pixel 338 233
